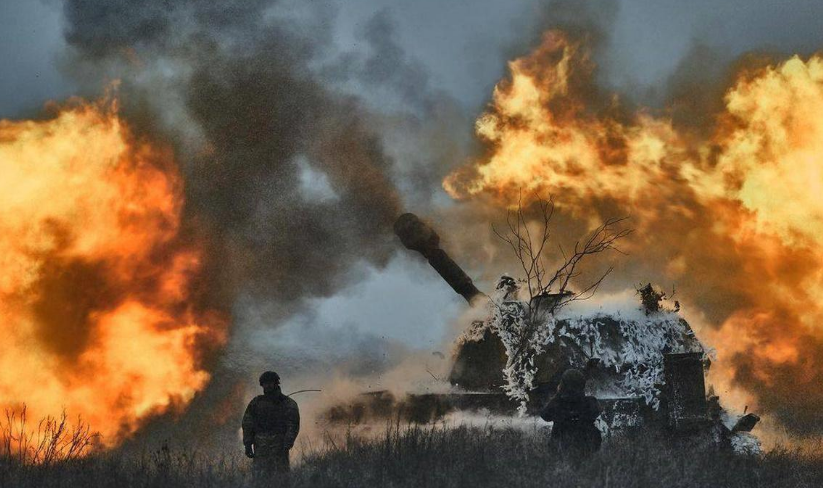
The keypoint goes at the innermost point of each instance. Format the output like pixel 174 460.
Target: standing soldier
pixel 573 414
pixel 270 426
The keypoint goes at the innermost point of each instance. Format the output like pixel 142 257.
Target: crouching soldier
pixel 573 414
pixel 270 426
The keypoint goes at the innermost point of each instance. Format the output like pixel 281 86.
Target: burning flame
pixel 734 218
pixel 96 279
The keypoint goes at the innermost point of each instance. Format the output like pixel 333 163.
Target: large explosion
pixel 97 282
pixel 733 218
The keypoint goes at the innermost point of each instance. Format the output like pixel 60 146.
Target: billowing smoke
pixel 291 179
pixel 286 186
pixel 254 127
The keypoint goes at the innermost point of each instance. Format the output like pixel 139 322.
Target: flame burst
pixel 96 281
pixel 734 218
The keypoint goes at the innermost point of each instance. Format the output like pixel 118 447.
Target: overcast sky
pixel 464 43
pixel 463 46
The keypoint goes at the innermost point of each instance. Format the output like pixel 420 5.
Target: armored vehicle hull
pixel 647 371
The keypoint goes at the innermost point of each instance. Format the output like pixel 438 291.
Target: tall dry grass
pixel 51 440
pixel 416 456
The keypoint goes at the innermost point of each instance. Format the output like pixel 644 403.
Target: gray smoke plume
pixel 239 76
pixel 287 179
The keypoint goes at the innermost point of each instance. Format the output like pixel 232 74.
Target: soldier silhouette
pixel 573 414
pixel 270 426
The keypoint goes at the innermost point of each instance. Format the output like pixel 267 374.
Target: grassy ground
pixel 458 457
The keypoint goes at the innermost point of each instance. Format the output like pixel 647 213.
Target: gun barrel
pixel 417 236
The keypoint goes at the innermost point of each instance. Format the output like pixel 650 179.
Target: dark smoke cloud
pixel 593 20
pixel 100 28
pixel 426 129
pixel 230 84
pixel 250 95
pixel 260 122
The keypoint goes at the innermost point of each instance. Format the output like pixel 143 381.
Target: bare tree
pixel 530 251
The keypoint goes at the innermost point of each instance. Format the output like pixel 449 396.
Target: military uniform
pixel 573 430
pixel 573 415
pixel 270 425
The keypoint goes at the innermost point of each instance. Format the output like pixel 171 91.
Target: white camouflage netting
pixel 625 339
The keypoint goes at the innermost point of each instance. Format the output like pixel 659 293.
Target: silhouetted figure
pixel 573 414
pixel 270 426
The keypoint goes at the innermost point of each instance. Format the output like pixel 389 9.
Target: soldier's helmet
pixel 507 283
pixel 269 377
pixel 573 382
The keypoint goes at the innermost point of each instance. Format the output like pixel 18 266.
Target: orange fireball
pixel 734 219
pixel 95 277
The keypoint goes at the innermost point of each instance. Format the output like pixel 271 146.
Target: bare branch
pixel 529 249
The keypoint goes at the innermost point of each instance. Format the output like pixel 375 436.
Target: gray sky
pixel 464 43
pixel 30 42
pixel 463 46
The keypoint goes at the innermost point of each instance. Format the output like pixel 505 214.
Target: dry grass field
pixel 434 456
